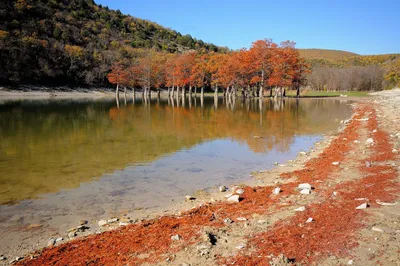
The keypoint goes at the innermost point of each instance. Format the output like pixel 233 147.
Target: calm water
pixel 60 160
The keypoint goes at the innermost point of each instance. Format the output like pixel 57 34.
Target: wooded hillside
pixel 74 42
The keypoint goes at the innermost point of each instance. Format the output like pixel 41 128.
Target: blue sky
pixel 364 27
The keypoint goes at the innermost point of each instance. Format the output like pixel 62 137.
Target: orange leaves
pixel 118 75
pixel 265 63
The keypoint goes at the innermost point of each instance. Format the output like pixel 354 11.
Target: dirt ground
pixel 357 167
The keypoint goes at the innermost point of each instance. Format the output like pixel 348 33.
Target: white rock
pixel 228 195
pixel 356 141
pixel 370 141
pixel 234 198
pixel 276 190
pixel 228 221
pixel 361 199
pixel 176 238
pixel 240 191
pixel 51 242
pixel 59 239
pixel 71 235
pixel 350 262
pixel 334 193
pixel 102 222
pixel 189 198
pixel 241 246
pixel 241 219
pixel 304 186
pixel 395 151
pixel 300 209
pixel 309 220
pixel 374 131
pixel 386 203
pixel 222 188
pixel 114 220
pixel 377 229
pixel 336 163
pixel 362 206
pixel 305 191
pixel 303 153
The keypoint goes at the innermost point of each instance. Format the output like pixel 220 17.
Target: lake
pixel 61 160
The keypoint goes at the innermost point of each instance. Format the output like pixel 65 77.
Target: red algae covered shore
pixel 350 171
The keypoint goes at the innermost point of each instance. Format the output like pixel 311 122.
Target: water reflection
pixel 51 145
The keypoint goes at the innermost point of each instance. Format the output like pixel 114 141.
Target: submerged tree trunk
pixel 183 92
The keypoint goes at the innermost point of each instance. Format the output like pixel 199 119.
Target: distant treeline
pixel 76 43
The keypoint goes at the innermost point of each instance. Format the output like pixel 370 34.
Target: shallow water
pixel 60 160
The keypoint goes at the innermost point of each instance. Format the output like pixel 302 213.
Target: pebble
pixel 83 222
pixel 356 141
pixel 386 203
pixel 241 219
pixel 16 259
pixel 334 193
pixel 350 262
pixel 234 198
pixel 276 190
pixel 176 238
pixel 51 242
pixel 368 164
pixel 240 191
pixel 102 222
pixel 59 239
pixel 303 153
pixel 362 206
pixel 374 131
pixel 309 220
pixel 114 220
pixel 222 188
pixel 395 151
pixel 228 221
pixel 377 229
pixel 71 235
pixel 2 257
pixel 305 191
pixel 336 163
pixel 300 209
pixel 370 141
pixel 304 186
pixel 241 246
pixel 189 198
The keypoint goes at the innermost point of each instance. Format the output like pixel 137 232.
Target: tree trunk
pixel 158 93
pixel 172 94
pixel 183 91
pixel 177 92
pixel 195 91
pixel 216 91
pixel 117 92
pixel 261 94
pixel 284 92
pixel 190 90
pixel 298 92
pixel 270 92
pixel 202 92
pixel 133 93
pixel 169 92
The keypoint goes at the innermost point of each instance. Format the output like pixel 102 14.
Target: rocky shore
pixel 333 205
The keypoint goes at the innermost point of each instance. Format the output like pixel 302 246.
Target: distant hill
pixel 325 54
pixel 75 41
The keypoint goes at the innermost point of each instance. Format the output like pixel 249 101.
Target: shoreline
pixel 269 178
